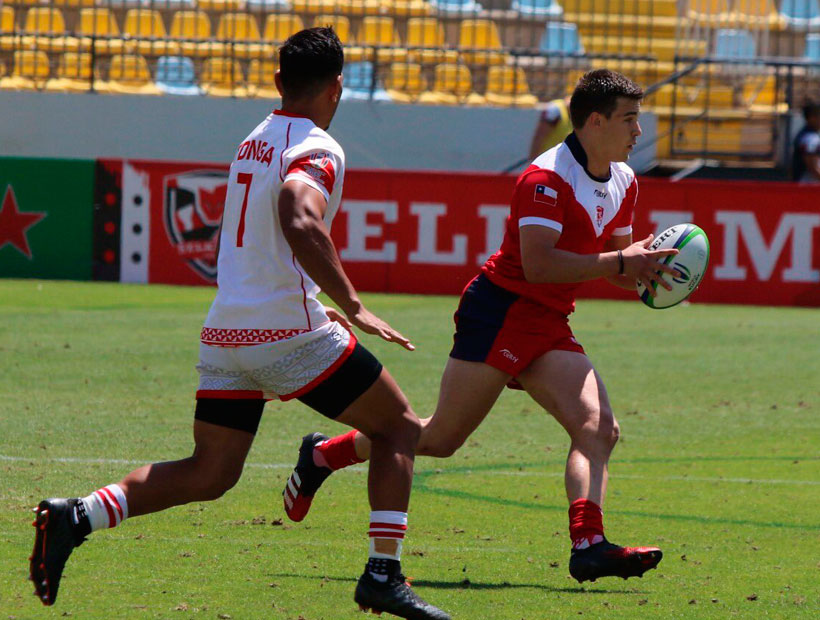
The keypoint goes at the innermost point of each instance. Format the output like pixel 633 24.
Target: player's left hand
pixel 371 324
pixel 335 315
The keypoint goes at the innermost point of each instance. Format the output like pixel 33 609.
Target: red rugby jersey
pixel 557 191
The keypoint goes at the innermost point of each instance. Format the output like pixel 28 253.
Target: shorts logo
pixel 545 195
pixel 192 211
pixel 599 216
pixel 506 353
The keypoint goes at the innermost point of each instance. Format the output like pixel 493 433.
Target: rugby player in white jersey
pixel 570 221
pixel 267 337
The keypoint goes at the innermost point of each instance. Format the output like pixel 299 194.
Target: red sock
pixel 337 452
pixel 586 523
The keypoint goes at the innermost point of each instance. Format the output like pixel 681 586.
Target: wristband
pixel 620 263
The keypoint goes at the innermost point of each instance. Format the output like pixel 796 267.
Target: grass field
pixel 719 465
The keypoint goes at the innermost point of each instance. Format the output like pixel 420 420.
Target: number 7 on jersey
pixel 243 178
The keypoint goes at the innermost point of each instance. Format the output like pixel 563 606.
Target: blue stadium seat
pixel 175 76
pixel 537 8
pixel 561 37
pixel 456 6
pixel 801 12
pixel 267 5
pixel 358 81
pixel 735 44
pixel 812 47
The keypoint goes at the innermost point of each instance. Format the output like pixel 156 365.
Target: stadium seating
pixel 279 26
pixel 480 43
pixel 7 36
pixel 347 7
pixel 561 37
pixel 380 33
pixel 73 73
pixel 30 72
pixel 129 74
pixel 99 29
pixel 458 7
pixel 359 82
pixel 240 33
pixel 223 77
pixel 812 50
pixel 801 13
pixel 266 6
pixel 407 8
pixel 428 33
pixel 145 34
pixel 537 8
pixel 45 30
pixel 191 31
pixel 734 44
pixel 260 79
pixel 452 85
pixel 175 76
pixel 218 6
pixel 507 86
pixel 405 82
pixel 341 24
pixel 755 14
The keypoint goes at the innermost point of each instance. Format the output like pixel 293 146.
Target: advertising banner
pixel 429 233
pixel 45 218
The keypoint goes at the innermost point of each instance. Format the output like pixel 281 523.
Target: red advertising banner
pixel 414 232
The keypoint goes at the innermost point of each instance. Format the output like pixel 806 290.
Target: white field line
pixel 444 472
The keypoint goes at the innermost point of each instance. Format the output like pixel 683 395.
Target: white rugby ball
pixel 691 262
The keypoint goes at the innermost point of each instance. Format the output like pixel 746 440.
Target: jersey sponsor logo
pixel 545 195
pixel 508 354
pixel 257 150
pixel 319 167
pixel 192 211
pixel 599 216
pixel 601 194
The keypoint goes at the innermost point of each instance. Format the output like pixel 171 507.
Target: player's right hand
pixel 643 264
pixel 369 323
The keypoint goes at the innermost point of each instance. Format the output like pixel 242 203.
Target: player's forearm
pixel 562 267
pixel 314 249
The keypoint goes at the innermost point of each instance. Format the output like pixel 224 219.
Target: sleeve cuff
pixel 625 230
pixel 298 175
pixel 540 221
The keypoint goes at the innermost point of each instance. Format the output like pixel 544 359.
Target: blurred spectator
pixel 553 126
pixel 806 158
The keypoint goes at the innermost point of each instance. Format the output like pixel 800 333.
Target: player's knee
pixel 216 479
pixel 599 431
pixel 401 430
pixel 615 434
pixel 440 447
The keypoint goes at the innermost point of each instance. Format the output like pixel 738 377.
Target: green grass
pixel 719 464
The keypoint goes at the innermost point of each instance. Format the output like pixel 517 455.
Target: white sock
pixel 106 507
pixel 387 529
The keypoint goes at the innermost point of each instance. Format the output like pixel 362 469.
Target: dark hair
pixel 598 91
pixel 310 60
pixel 811 108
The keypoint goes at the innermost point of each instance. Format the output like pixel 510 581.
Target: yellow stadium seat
pixel 223 77
pixel 30 72
pixel 7 36
pixel 98 27
pixel 242 30
pixel 73 73
pixel 341 25
pixel 407 8
pixel 260 79
pixel 191 30
pixel 709 11
pixel 346 7
pixel 480 43
pixel 73 4
pixel 379 33
pixel 405 82
pixel 279 26
pixel 220 5
pixel 145 34
pixel 757 14
pixel 128 74
pixel 45 30
pixel 507 86
pixel 428 33
pixel 452 85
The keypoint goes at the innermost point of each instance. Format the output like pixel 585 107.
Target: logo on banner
pixel 14 223
pixel 192 212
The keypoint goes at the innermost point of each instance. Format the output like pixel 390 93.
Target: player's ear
pixel 277 79
pixel 336 89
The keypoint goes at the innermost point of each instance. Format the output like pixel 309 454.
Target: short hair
pixel 598 91
pixel 309 61
pixel 811 108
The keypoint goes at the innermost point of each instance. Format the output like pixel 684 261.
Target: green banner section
pixel 46 208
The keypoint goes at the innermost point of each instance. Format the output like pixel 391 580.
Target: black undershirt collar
pixel 574 145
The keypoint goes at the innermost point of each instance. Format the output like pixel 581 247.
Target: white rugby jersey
pixel 264 293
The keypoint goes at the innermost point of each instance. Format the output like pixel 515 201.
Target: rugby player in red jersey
pixel 570 222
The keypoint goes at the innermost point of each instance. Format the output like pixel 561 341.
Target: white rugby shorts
pixel 283 369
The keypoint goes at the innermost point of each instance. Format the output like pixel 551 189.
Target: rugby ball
pixel 691 262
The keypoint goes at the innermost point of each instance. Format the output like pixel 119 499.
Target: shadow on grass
pixel 467 584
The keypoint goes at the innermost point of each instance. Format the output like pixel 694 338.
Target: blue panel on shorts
pixel 479 318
